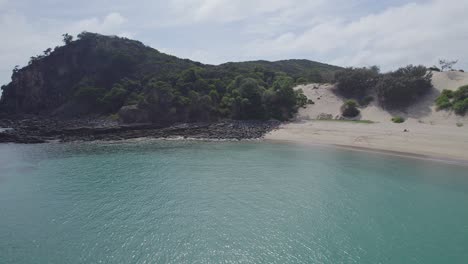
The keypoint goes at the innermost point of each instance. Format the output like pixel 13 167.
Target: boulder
pixel 132 114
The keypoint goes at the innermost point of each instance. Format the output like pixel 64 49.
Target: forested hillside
pixel 104 75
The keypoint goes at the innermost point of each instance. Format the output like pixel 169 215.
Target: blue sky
pixel 343 32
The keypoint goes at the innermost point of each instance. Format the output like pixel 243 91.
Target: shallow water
pixel 205 202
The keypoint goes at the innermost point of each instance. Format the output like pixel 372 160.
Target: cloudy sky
pixel 388 33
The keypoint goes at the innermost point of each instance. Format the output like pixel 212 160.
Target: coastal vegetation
pixel 102 75
pixel 395 89
pixel 454 100
pixel 398 119
pixel 349 109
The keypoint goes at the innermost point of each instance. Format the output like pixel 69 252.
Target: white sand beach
pixel 434 133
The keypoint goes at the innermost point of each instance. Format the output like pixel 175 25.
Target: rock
pixel 132 114
pixel 32 130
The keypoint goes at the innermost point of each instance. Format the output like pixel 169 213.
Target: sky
pixel 387 33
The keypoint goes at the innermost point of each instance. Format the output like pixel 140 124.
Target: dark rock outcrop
pixel 44 130
pixel 132 114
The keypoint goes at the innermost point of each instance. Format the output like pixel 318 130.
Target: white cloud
pixel 389 33
pixel 25 38
pixel 412 33
pixel 22 40
pixel 223 10
pixel 110 24
pixel 3 3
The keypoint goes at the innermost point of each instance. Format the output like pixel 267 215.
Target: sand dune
pixel 436 133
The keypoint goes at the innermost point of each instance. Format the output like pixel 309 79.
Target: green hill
pixel 102 75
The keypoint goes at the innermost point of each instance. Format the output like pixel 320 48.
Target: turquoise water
pixel 199 202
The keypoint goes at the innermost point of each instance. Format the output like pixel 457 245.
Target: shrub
pixel 114 117
pixel 114 99
pixel 443 101
pixel 356 82
pixel 459 124
pixel 89 95
pixel 349 109
pixel 461 93
pixel 301 98
pixel 403 86
pixel 315 76
pixel 455 100
pixel 434 68
pixel 460 107
pixel 398 119
pixel 301 80
pixel 366 100
pixel 310 102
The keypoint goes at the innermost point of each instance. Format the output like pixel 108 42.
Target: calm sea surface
pixel 201 202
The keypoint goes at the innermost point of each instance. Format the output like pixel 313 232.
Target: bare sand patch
pixel 429 132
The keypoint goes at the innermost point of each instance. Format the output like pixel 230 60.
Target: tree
pixel 67 39
pixel 15 69
pixel 356 82
pixel 32 60
pixel 403 86
pixel 446 64
pixel 47 51
pixel 349 109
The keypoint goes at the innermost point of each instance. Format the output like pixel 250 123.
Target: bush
pixel 403 86
pixel 398 119
pixel 301 99
pixel 434 68
pixel 310 102
pixel 366 100
pixel 89 95
pixel 443 101
pixel 454 100
pixel 349 109
pixel 460 107
pixel 301 80
pixel 114 99
pixel 356 82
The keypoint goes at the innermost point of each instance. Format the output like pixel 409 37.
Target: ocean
pixel 155 201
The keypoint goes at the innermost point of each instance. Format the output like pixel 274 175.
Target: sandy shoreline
pixel 380 151
pixel 439 142
pixel 440 135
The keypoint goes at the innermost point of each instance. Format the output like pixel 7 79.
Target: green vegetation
pixel 454 100
pixel 356 82
pixel 366 100
pixel 444 100
pixel 67 38
pixel 349 109
pixel 394 90
pixel 459 124
pixel 404 86
pixel 106 73
pixel 398 119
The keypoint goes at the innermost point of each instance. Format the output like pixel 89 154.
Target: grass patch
pixel 398 119
pixel 459 124
pixel 114 117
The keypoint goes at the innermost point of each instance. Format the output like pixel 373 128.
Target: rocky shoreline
pixel 38 130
